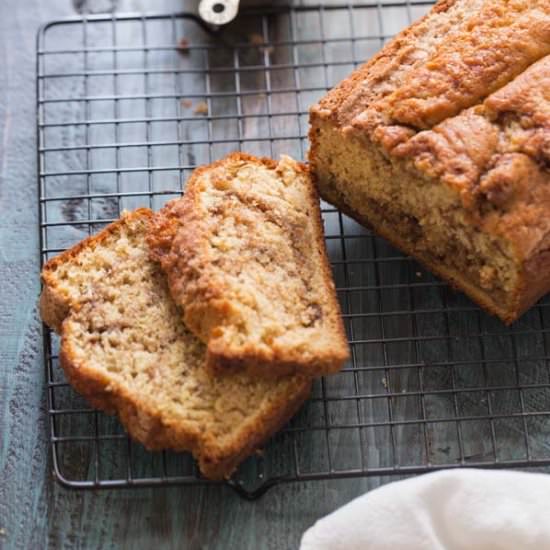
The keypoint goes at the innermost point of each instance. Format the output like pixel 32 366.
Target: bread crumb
pixel 183 45
pixel 487 275
pixel 201 108
pixel 2 532
pixel 418 274
pixel 187 103
pixel 257 39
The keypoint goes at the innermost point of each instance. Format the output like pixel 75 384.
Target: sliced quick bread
pixel 125 349
pixel 441 144
pixel 245 257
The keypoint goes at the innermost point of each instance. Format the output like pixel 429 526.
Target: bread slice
pixel 245 257
pixel 125 349
pixel 441 143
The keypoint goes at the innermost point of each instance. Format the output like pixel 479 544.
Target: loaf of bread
pixel 125 349
pixel 245 257
pixel 441 143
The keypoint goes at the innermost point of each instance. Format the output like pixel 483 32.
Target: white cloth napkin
pixel 451 510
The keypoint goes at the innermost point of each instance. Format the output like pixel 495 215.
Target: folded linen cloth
pixel 451 510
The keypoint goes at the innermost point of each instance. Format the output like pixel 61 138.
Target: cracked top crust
pixel 449 60
pixel 463 97
pixel 497 156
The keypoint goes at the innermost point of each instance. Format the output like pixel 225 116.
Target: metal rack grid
pixel 126 109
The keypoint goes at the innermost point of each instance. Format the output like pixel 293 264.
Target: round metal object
pixel 218 12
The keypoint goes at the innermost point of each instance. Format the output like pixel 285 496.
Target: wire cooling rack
pixel 129 105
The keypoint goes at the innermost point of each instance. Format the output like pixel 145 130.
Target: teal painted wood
pixel 36 512
pixel 24 479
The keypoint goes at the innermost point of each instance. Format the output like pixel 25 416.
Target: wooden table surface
pixel 36 512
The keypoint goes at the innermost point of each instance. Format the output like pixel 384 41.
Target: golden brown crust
pixel 141 418
pixel 207 299
pixel 369 82
pixel 447 61
pixel 491 47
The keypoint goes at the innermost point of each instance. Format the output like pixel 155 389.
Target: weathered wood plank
pixel 24 477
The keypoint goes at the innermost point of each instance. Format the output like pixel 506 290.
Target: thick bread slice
pixel 124 348
pixel 245 258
